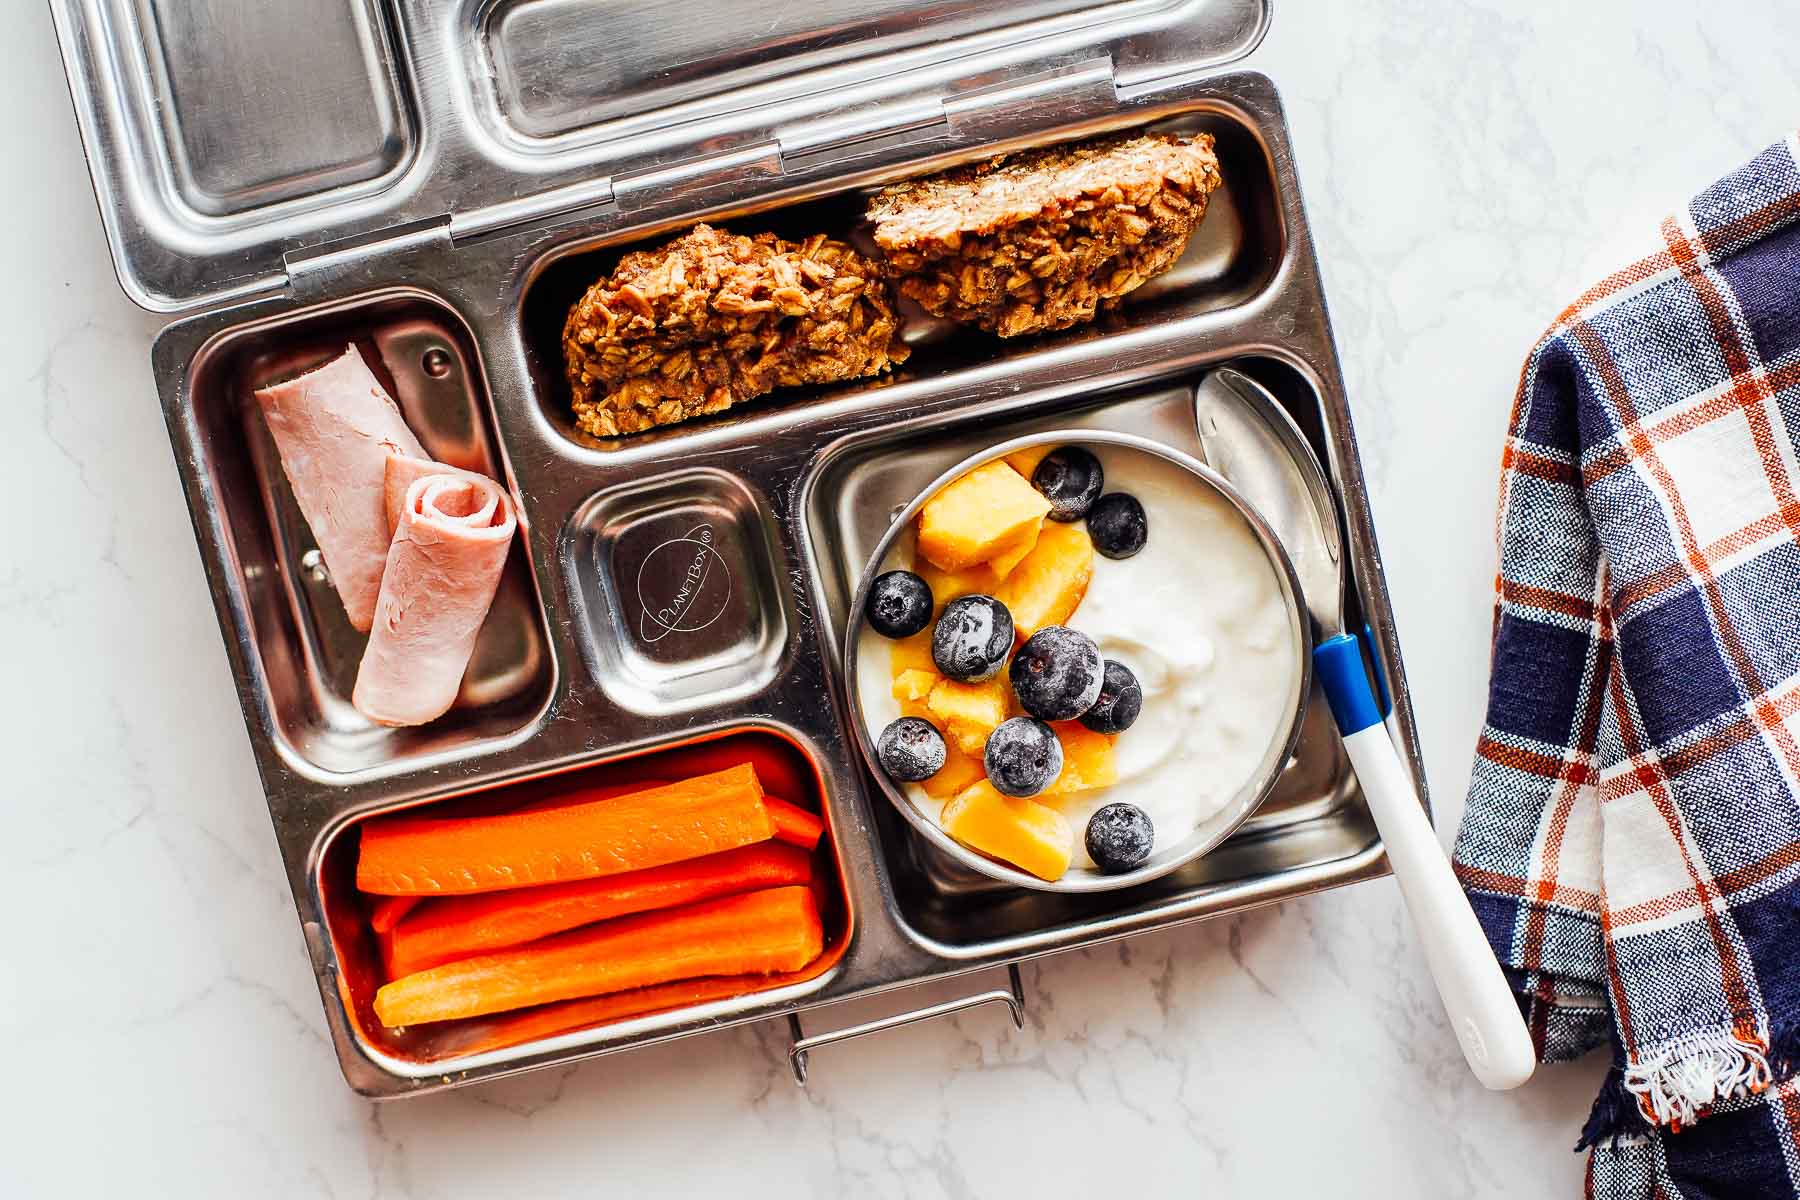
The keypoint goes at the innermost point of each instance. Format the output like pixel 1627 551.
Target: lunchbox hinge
pixel 1075 92
pixel 863 131
pixel 971 115
pixel 537 208
pixel 684 182
pixel 687 182
pixel 313 268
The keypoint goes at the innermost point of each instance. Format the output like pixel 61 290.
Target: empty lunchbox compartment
pixel 305 652
pixel 568 69
pixel 785 769
pixel 335 95
pixel 677 582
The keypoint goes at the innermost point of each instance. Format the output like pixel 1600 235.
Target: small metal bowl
pixel 1208 833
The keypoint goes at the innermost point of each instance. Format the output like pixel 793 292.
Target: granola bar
pixel 1044 239
pixel 714 318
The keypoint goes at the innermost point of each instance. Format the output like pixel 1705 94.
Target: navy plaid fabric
pixel 1632 839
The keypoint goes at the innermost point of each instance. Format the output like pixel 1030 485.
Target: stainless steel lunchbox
pixel 441 178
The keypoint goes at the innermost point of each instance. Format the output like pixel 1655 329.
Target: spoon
pixel 1248 437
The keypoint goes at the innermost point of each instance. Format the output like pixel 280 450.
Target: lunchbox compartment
pixel 559 70
pixel 305 652
pixel 343 115
pixel 1305 824
pixel 786 769
pixel 1231 257
pixel 679 586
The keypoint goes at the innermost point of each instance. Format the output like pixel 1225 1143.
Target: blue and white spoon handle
pixel 1481 1006
pixel 1382 693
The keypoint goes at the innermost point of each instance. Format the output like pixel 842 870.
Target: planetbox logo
pixel 683 585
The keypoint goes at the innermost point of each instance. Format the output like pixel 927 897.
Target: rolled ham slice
pixel 401 472
pixel 335 427
pixel 443 567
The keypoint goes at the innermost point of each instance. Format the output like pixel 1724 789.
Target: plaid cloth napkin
pixel 1632 839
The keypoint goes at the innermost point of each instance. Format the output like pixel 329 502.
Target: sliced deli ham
pixel 335 428
pixel 401 472
pixel 443 567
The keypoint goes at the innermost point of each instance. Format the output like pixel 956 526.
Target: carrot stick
pixel 583 795
pixel 793 823
pixel 764 932
pixel 678 994
pixel 385 911
pixel 456 927
pixel 412 856
pixel 548 1020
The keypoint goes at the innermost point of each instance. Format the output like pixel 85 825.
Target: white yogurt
pixel 1199 618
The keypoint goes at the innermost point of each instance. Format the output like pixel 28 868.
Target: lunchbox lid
pixel 231 143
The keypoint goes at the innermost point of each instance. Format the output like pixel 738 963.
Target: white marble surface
pixel 1467 169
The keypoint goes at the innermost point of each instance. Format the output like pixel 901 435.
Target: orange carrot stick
pixel 764 932
pixel 793 823
pixel 454 927
pixel 385 911
pixel 548 1020
pixel 412 856
pixel 584 795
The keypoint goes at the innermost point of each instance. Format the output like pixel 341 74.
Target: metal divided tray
pixel 480 164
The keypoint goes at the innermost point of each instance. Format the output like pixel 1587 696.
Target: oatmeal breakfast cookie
pixel 1042 240
pixel 714 318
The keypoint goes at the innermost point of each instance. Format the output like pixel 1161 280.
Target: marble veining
pixel 1467 170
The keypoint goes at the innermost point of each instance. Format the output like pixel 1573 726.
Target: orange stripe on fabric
pixel 1736 993
pixel 1511 885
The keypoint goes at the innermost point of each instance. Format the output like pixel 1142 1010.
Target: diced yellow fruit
pixel 1003 561
pixel 1031 836
pixel 973 517
pixel 1046 587
pixel 911 654
pixel 1026 461
pixel 914 685
pixel 948 585
pixel 968 712
pixel 1087 760
pixel 916 708
pixel 958 772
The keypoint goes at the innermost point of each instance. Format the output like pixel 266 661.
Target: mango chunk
pixel 1031 836
pixel 1026 461
pixel 1045 588
pixel 1003 561
pixel 911 654
pixel 972 518
pixel 948 585
pixel 958 772
pixel 968 712
pixel 914 685
pixel 1087 760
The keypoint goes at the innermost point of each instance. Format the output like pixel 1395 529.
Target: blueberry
pixel 972 638
pixel 1119 837
pixel 1070 479
pixel 1057 674
pixel 1121 700
pixel 899 604
pixel 1022 757
pixel 911 749
pixel 1118 525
